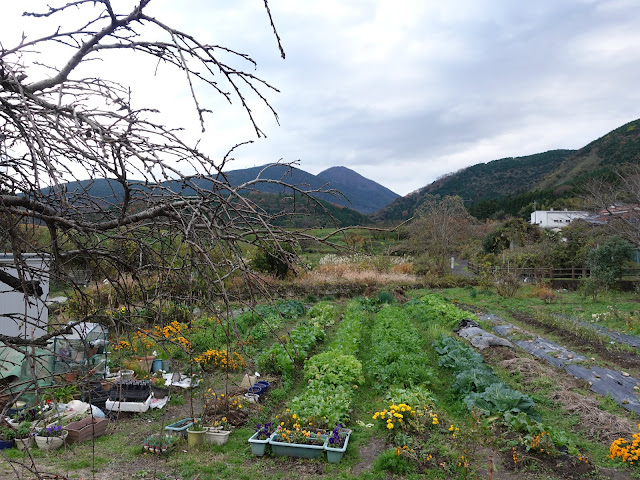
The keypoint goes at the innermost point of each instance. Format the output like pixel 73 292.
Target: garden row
pixel 330 381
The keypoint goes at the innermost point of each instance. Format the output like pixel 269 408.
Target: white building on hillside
pixel 556 218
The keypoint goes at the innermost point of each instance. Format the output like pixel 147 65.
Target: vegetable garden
pixel 390 384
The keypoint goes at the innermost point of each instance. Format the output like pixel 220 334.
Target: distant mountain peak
pixel 363 195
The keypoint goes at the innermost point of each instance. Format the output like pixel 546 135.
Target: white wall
pixel 20 315
pixel 556 218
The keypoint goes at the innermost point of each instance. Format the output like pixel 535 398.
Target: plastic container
pixel 255 390
pixel 156 365
pixel 180 427
pixel 297 450
pixel 258 447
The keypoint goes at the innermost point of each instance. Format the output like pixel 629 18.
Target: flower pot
pixel 158 443
pixel 50 443
pixel 255 390
pixel 297 450
pixel 263 384
pixel 145 362
pixel 24 443
pixel 252 397
pixel 334 455
pixel 12 422
pixel 126 374
pixel 159 392
pixel 258 446
pixel 4 444
pixel 195 438
pixel 219 437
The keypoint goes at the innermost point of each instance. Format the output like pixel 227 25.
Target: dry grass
pixel 354 273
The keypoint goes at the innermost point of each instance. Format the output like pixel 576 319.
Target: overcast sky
pixel 405 91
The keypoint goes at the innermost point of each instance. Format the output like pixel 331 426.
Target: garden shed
pixel 21 315
pixel 26 317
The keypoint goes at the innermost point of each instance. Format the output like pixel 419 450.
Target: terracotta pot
pixel 145 362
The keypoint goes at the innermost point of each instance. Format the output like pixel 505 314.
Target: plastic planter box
pixel 218 437
pixel 258 446
pixel 297 450
pixel 180 427
pixel 86 429
pixel 334 455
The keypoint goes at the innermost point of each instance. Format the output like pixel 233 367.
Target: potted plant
pixel 196 433
pixel 160 443
pixel 260 438
pixel 24 435
pixel 51 437
pixel 219 432
pixel 7 437
pixel 158 387
pixel 337 443
pixel 180 427
pixel 298 442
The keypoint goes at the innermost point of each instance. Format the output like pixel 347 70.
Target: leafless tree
pixel 441 227
pixel 616 199
pixel 98 186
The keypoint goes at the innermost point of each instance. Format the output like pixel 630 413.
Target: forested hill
pixel 617 147
pixel 510 186
pixel 495 179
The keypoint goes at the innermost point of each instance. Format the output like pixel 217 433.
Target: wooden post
pixel 490 466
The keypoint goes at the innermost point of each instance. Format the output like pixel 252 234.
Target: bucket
pixel 156 365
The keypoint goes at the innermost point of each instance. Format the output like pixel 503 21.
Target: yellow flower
pixel 389 426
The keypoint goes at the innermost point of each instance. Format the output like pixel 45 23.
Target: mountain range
pixel 504 186
pixel 356 192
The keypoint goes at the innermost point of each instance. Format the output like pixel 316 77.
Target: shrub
pixel 390 461
pixel 269 260
pixel 385 297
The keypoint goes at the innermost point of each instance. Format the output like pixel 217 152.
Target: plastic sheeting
pixel 620 386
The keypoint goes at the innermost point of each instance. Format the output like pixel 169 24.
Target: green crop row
pixel 433 308
pixel 482 388
pixel 280 358
pixel 397 353
pixel 333 376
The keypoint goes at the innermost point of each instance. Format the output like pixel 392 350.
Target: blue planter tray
pixel 297 450
pixel 180 427
pixel 334 455
pixel 258 447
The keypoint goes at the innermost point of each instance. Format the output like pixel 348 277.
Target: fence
pixel 549 273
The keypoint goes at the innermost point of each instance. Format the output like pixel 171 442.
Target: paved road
pixel 460 268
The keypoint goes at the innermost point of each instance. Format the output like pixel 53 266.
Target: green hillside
pixel 493 180
pixel 513 186
pixel 617 147
pixel 305 213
